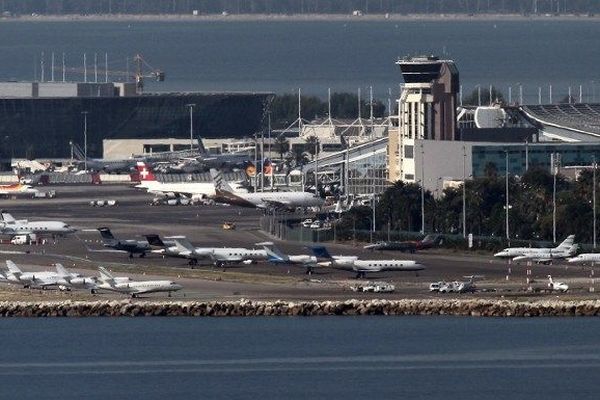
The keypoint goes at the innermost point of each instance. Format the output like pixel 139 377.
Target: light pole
pixel 555 166
pixel 317 145
pixel 506 205
pixel 85 158
pixel 464 193
pixel 191 107
pixel 422 189
pixel 594 196
pixel 255 162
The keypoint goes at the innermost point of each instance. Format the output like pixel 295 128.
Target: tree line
pixel 298 6
pixel 530 207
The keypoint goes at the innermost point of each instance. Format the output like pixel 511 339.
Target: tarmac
pixel 202 225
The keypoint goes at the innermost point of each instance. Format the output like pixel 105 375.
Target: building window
pixel 409 177
pixel 409 151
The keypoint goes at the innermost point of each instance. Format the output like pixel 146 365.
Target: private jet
pixel 362 267
pixel 543 255
pixel 124 285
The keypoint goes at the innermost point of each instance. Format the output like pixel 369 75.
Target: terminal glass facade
pixel 520 157
pixel 368 175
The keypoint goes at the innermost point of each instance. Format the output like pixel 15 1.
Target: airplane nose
pixel 176 286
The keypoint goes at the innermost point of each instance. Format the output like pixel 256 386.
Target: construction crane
pixel 143 70
pixel 139 76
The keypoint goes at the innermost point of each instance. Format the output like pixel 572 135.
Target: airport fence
pixel 290 228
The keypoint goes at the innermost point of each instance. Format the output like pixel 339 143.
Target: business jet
pixel 193 190
pixel 585 258
pixel 546 256
pixel 543 253
pixel 289 200
pixel 13 227
pixel 219 256
pixel 130 246
pixel 134 288
pixel 42 279
pixel 362 267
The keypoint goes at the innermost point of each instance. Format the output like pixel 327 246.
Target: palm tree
pixel 282 145
pixel 311 145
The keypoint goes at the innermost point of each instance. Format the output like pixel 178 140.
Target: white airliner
pixel 290 200
pixel 220 256
pixel 585 258
pixel 23 227
pixel 133 288
pixel 42 279
pixel 194 190
pixel 361 267
pixel 545 254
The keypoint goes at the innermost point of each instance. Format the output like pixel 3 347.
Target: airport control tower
pixel 428 101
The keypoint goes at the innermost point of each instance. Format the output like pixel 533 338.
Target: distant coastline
pixel 296 17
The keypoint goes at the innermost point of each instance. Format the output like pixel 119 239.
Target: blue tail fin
pixel 320 252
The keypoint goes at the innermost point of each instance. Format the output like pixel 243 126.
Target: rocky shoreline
pixel 459 307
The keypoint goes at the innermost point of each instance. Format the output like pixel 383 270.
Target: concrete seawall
pixel 480 308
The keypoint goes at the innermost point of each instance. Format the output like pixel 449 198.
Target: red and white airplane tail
pixel 145 172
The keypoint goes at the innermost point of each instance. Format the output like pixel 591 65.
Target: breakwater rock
pixel 458 307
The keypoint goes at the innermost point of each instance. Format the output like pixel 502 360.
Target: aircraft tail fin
pixel 155 240
pixel 145 171
pixel 183 244
pixel 62 271
pixel 273 253
pixel 321 252
pixel 106 234
pixel 105 275
pixel 6 217
pixel 201 148
pixel 78 152
pixel 221 184
pixel 12 268
pixel 573 249
pixel 567 243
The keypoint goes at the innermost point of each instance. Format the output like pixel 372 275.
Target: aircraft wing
pixel 107 251
pixel 366 269
pixel 276 204
pixel 535 258
pixel 6 230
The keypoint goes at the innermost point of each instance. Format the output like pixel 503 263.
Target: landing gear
pixel 193 261
pixel 142 255
pixel 93 291
pixel 361 275
pixel 309 271
pixel 133 295
pixel 220 264
pixel 130 255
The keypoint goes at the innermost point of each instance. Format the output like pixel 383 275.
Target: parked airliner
pixel 289 200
